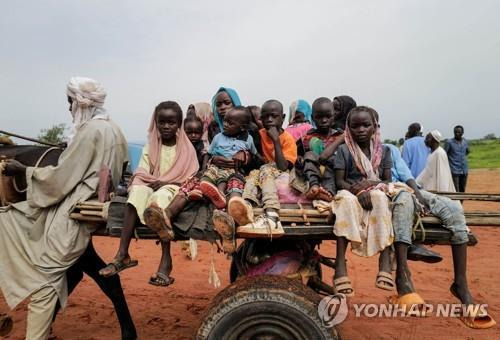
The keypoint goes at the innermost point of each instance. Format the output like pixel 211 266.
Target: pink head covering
pixel 184 166
pixel 368 168
pixel 204 112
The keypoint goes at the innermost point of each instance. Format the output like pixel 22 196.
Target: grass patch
pixel 484 154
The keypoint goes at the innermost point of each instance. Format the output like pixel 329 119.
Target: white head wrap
pixel 88 100
pixel 436 135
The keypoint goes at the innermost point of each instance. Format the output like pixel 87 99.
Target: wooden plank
pixel 84 218
pixel 91 213
pixel 470 196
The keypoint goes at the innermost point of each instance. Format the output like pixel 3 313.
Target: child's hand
pixel 365 200
pixel 422 201
pixel 222 162
pixel 156 185
pixel 240 158
pixel 360 186
pixel 273 133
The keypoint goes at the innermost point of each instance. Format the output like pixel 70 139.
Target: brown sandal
pixel 385 281
pixel 155 218
pixel 343 285
pixel 224 225
pixel 117 266
pixel 161 280
pixel 240 210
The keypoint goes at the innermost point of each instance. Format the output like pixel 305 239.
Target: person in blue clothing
pixel 457 149
pixel 452 217
pixel 233 144
pixel 415 152
pixel 224 100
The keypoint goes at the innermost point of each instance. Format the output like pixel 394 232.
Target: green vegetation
pixel 484 153
pixel 54 134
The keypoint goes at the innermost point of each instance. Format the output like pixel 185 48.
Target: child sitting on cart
pixel 229 149
pixel 319 177
pixel 280 152
pixel 165 164
pixel 362 166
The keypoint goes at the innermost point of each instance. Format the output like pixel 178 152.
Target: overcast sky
pixel 435 62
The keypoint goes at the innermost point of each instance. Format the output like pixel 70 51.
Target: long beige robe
pixel 437 174
pixel 38 240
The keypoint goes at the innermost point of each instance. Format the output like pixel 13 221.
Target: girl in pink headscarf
pixel 361 206
pixel 167 161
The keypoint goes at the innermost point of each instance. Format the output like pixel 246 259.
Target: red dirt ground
pixel 175 312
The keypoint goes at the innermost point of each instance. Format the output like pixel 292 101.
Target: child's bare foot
pixel 324 195
pixel 313 192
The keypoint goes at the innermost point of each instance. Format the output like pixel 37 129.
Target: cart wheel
pixel 265 307
pixel 233 271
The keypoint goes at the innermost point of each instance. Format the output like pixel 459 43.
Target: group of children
pixel 239 153
pixel 331 152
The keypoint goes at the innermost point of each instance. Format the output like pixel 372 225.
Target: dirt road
pixel 174 312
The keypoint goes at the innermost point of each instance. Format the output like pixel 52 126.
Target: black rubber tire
pixel 265 307
pixel 233 271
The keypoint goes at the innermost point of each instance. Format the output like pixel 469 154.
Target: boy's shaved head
pixel 272 114
pixel 243 114
pixel 322 114
pixel 236 121
pixel 320 101
pixel 273 102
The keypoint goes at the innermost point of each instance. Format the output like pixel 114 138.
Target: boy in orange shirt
pixel 280 153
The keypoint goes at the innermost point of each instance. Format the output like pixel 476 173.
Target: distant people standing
pixel 457 149
pixel 401 142
pixel 436 175
pixel 415 152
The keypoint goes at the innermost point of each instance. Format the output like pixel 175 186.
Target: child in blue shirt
pixel 229 150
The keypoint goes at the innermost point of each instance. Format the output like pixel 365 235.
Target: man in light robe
pixel 436 175
pixel 38 240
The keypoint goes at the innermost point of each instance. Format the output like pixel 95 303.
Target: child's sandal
pixel 155 218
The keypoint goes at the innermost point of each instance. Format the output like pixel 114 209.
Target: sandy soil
pixel 175 312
